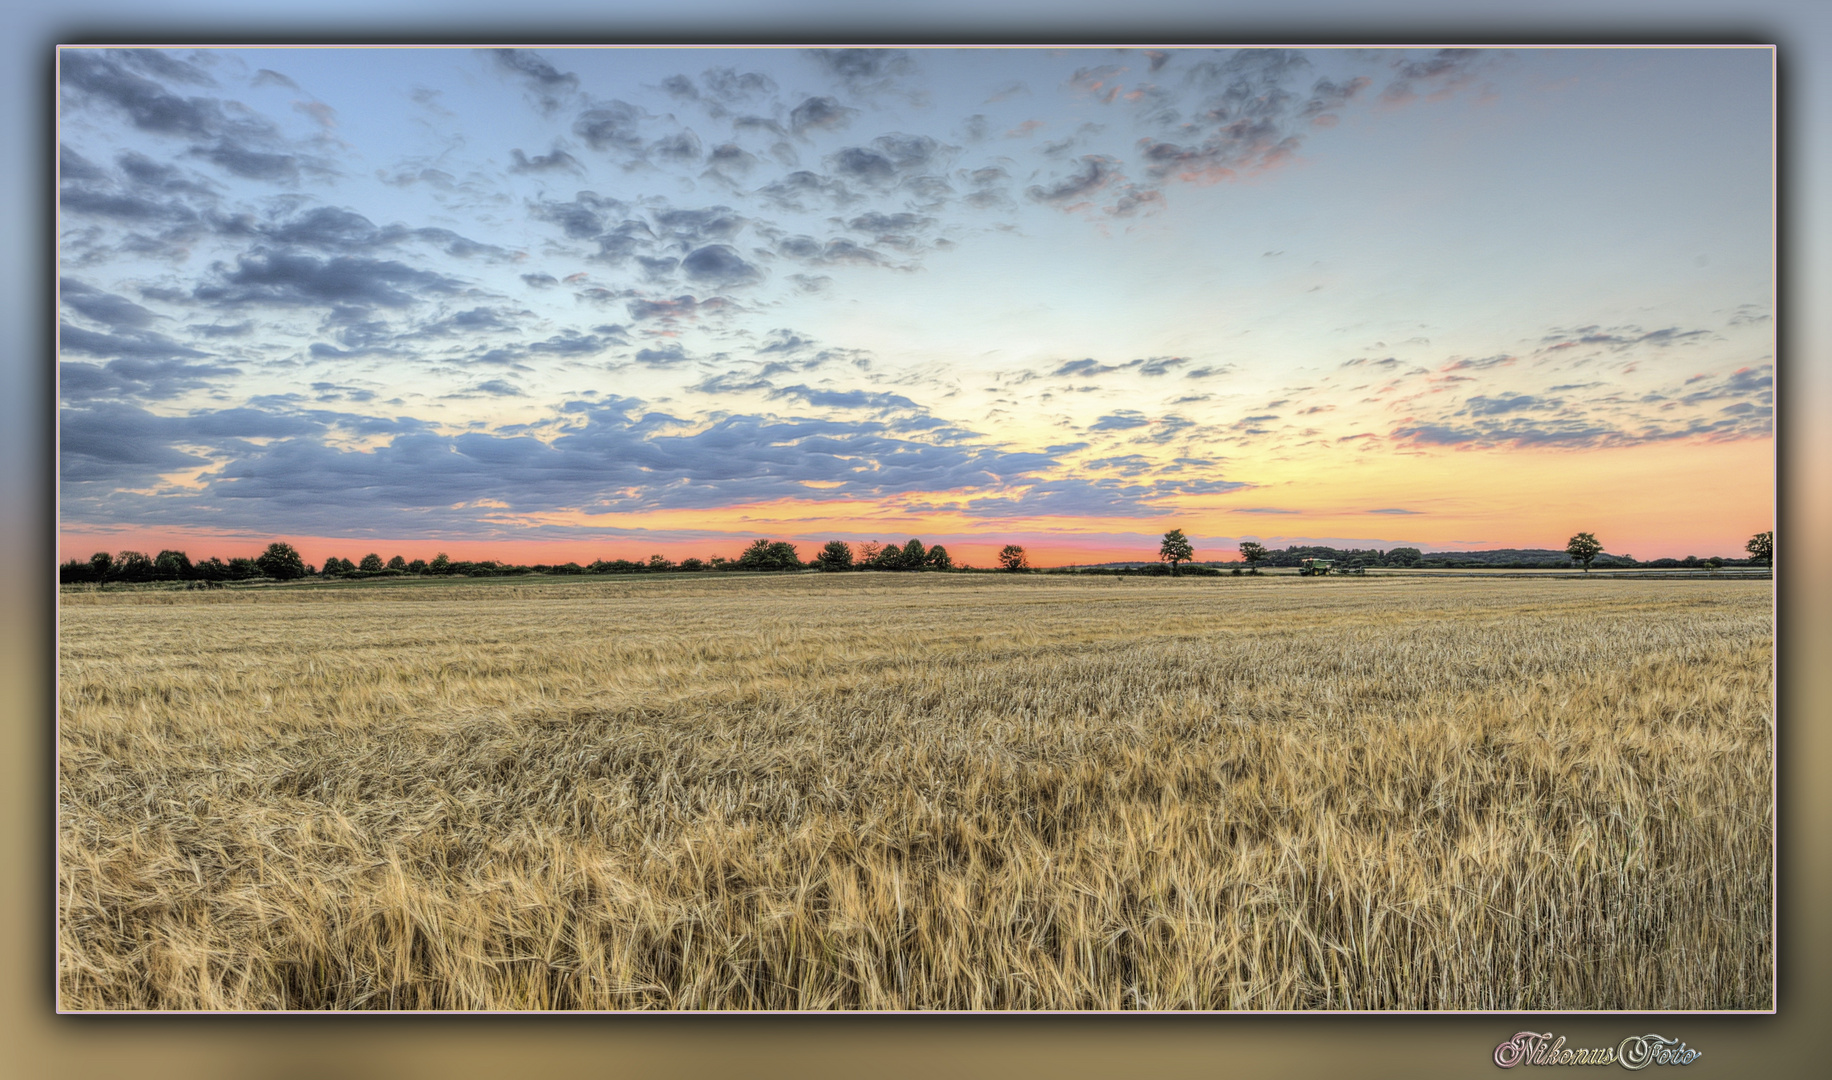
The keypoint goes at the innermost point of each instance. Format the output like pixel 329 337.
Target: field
pixel 878 791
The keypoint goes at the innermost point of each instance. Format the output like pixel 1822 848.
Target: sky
pixel 572 303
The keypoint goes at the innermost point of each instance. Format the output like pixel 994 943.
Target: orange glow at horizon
pixel 1652 501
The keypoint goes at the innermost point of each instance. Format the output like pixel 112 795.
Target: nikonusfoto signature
pixel 1634 1052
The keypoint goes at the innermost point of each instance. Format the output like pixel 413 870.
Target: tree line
pixel 281 562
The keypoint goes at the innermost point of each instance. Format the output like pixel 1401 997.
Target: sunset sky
pixel 572 303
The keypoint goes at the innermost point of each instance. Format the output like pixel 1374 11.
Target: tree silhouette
pixel 1012 558
pixel 768 555
pixel 1175 549
pixel 1761 547
pixel 1583 548
pixel 835 556
pixel 172 565
pixel 281 562
pixel 939 559
pixel 132 566
pixel 1253 553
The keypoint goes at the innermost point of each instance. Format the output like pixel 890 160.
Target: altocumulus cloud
pixel 282 469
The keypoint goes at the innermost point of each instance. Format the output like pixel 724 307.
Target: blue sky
pixel 660 299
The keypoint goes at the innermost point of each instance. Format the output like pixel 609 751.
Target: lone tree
pixel 281 562
pixel 835 556
pixel 1761 548
pixel 1583 548
pixel 939 559
pixel 1175 549
pixel 1253 553
pixel 1012 558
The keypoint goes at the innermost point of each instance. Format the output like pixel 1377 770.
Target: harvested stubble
pixel 929 791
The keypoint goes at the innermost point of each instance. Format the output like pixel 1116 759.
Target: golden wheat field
pixel 875 791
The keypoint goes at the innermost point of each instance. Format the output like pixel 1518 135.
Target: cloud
pixel 1756 383
pixel 551 88
pixel 864 166
pixel 1096 172
pixel 820 113
pixel 116 312
pixel 614 126
pixel 666 356
pixel 1100 82
pixel 112 444
pixel 266 277
pixel 804 191
pixel 1394 510
pixel 250 163
pixel 138 376
pixel 329 228
pixel 228 134
pixel 682 147
pixel 557 159
pixel 218 330
pixel 105 76
pixel 1505 403
pixel 680 307
pixel 846 399
pixel 611 460
pixel 690 228
pixel 105 446
pixel 1617 337
pixel 728 158
pixel 1123 420
pixel 718 265
pixel 74 339
pixel 864 70
pixel 145 173
pixel 731 86
pixel 889 227
pixel 1327 96
pixel 1153 366
pixel 1464 363
pixel 1084 368
pixel 1521 433
pixel 1443 72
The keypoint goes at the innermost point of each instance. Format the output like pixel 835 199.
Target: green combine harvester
pixel 1319 567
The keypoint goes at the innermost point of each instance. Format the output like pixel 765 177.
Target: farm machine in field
pixel 1320 567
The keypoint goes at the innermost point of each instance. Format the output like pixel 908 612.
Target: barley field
pixel 876 791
